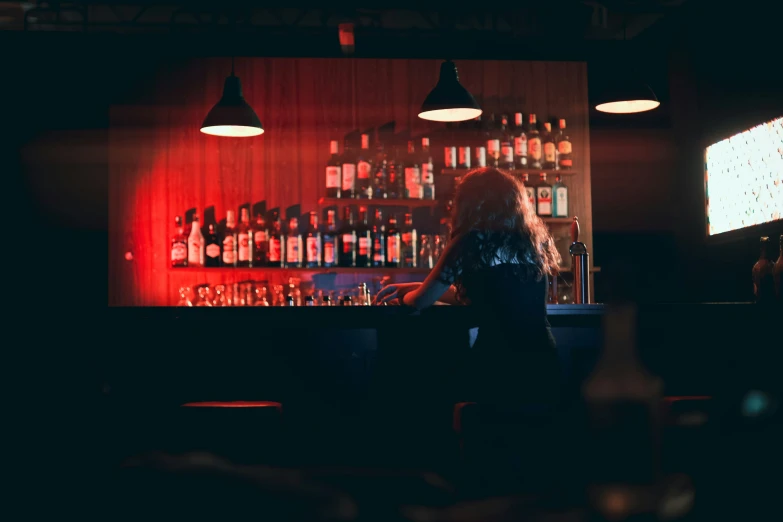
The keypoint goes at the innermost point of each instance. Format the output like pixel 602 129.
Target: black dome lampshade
pixel 626 94
pixel 449 100
pixel 232 116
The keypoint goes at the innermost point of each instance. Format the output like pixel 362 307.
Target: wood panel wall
pixel 161 164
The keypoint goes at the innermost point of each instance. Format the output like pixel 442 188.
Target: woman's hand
pixel 394 291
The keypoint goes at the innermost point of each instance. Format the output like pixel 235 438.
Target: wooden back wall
pixel 161 164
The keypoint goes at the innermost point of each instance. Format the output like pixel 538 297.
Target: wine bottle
pixel 409 243
pixel 379 176
pixel 333 171
pixel 393 241
pixel 506 145
pixel 275 242
pixel 493 142
pixel 260 242
pixel 212 248
pixel 548 145
pixel 330 243
pixel 347 240
pixel 293 245
pixel 378 236
pixel 364 240
pixel 533 144
pixel 413 187
pixel 564 159
pixel 348 187
pixel 313 242
pixel 230 240
pixel 364 183
pixel 520 141
pixel 244 240
pixel 179 245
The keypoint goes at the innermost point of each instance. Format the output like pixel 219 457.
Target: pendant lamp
pixel 449 100
pixel 232 116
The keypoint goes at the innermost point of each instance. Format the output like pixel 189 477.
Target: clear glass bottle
pixel 230 240
pixel 195 244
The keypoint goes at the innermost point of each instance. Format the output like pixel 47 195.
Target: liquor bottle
pixel 481 156
pixel 230 240
pixel 530 190
pixel 309 301
pixel 427 171
pixel 364 184
pixel 463 157
pixel 378 236
pixel 312 243
pixel 563 142
pixel 260 242
pixel 347 240
pixel 533 144
pixel 763 278
pixel 544 197
pixel 275 242
pixel 394 177
pixel 212 248
pixel 548 145
pixel 520 141
pixel 450 157
pixel 334 171
pixel 413 187
pixel 179 245
pixel 348 187
pixel 293 245
pixel 777 272
pixel 409 246
pixel 379 176
pixel 393 247
pixel 559 198
pixel 244 240
pixel 330 243
pixel 195 244
pixel 493 142
pixel 506 145
pixel 363 240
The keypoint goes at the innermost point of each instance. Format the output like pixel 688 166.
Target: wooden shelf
pixel 334 270
pixel 548 172
pixel 410 203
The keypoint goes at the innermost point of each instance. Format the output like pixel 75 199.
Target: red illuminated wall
pixel 161 165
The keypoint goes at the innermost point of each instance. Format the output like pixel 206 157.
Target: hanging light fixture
pixel 449 100
pixel 232 116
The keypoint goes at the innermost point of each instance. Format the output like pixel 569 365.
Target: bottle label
pixel 544 197
pixel 413 182
pixel 427 176
pixel 363 170
pixel 332 177
pixel 449 157
pixel 194 252
pixel 348 241
pixel 531 195
pixel 274 250
pixel 329 252
pixel 566 162
pixel 534 148
pixel 564 147
pixel 349 176
pixel 260 237
pixel 229 256
pixel 561 202
pixel 244 247
pixel 407 238
pixel 507 152
pixel 493 148
pixel 393 249
pixel 549 152
pixel 364 246
pixel 481 157
pixel 179 252
pixel 520 146
pixel 313 254
pixel 213 251
pixel 292 249
pixel 464 157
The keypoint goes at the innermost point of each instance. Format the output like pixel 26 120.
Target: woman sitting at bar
pixel 498 262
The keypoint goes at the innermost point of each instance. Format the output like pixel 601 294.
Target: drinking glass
pixel 220 296
pixel 201 299
pixel 261 299
pixel 184 296
pixel 426 252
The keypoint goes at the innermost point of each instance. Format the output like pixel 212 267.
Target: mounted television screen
pixel 744 179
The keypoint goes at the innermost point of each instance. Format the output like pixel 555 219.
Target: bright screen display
pixel 744 178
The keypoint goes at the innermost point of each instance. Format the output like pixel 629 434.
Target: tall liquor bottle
pixel 313 242
pixel 506 145
pixel 379 176
pixel 395 176
pixel 413 187
pixel 293 245
pixel 563 142
pixel 179 245
pixel 244 240
pixel 393 246
pixel 364 183
pixel 559 198
pixel 378 236
pixel 530 190
pixel 533 144
pixel 363 240
pixel 260 242
pixel 409 243
pixel 493 142
pixel 334 171
pixel 548 144
pixel 520 141
pixel 777 272
pixel 480 147
pixel 212 248
pixel 763 278
pixel 347 240
pixel 348 187
pixel 230 240
pixel 195 244
pixel 544 197
pixel 427 171
pixel 275 242
pixel 330 243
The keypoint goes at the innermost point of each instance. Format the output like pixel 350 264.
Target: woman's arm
pixel 437 286
pixel 450 296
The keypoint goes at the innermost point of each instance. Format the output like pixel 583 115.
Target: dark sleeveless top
pixel 514 359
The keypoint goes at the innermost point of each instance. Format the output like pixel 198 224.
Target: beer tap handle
pixel 575 230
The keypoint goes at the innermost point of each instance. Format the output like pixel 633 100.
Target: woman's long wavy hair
pixel 492 212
